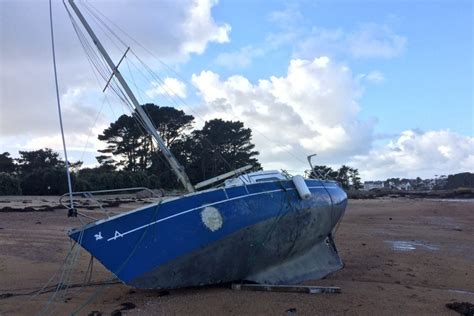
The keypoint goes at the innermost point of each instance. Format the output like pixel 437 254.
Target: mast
pixel 175 165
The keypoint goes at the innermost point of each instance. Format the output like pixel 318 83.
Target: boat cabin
pixel 254 177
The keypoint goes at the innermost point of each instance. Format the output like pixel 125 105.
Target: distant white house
pixel 369 185
pixel 404 185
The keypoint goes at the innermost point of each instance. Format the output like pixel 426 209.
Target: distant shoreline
pixel 455 194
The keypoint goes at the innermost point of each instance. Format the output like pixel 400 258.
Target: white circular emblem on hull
pixel 212 218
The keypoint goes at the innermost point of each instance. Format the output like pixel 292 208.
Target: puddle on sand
pixel 403 245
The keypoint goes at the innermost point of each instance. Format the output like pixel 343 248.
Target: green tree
pixel 123 138
pixel 44 181
pixel 220 146
pixel 355 179
pixel 131 146
pixel 9 184
pixel 343 176
pixel 6 163
pixel 460 180
pixel 30 161
pixel 106 162
pixel 43 172
pixel 171 124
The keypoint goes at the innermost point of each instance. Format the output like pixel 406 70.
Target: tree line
pixel 131 159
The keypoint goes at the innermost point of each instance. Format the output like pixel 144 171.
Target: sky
pixel 383 86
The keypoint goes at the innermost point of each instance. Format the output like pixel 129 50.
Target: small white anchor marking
pixel 98 236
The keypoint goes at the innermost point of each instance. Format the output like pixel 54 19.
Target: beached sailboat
pixel 262 226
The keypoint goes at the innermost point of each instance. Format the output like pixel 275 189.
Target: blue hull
pixel 261 232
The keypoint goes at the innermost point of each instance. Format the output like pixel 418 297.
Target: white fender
pixel 301 187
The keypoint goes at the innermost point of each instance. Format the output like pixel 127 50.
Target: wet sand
pixel 401 256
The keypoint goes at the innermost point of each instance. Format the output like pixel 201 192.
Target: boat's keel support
pixel 318 262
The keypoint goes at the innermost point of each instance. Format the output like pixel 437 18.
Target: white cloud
pixel 306 41
pixel 368 40
pixel 421 154
pixel 375 76
pixel 374 40
pixel 288 18
pixel 200 28
pixel 239 59
pixel 312 109
pixel 170 87
pixel 287 21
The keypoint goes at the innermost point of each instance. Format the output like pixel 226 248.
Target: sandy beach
pixel 402 256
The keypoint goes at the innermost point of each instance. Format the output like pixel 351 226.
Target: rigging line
pixel 198 115
pixel 110 105
pixel 185 104
pixel 133 112
pixel 133 80
pixel 168 92
pixel 89 8
pixel 93 125
pixel 97 59
pixel 99 66
pixel 176 73
pixel 138 43
pixel 120 93
pixel 137 120
pixel 125 101
pixel 123 98
pixel 65 270
pixel 137 88
pixel 90 53
pixel 170 97
pixel 140 96
pixel 117 87
pixel 131 109
pixel 101 25
pixel 143 131
pixel 96 63
pixel 71 206
pixel 92 58
pixel 172 70
pixel 46 285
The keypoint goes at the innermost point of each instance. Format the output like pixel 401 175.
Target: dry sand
pixel 401 257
